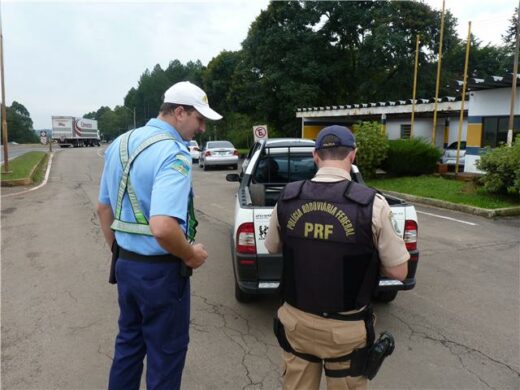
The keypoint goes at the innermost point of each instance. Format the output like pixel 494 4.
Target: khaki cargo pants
pixel 325 338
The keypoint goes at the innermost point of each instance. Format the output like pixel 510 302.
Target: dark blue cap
pixel 333 136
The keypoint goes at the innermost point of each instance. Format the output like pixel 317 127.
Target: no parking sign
pixel 43 137
pixel 260 132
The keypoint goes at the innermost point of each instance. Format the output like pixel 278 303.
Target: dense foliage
pixel 411 157
pixel 308 54
pixel 20 125
pixel 502 167
pixel 372 147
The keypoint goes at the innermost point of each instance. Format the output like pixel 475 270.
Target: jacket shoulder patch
pixel 182 164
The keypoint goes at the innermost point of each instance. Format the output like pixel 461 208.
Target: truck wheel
pixel 385 296
pixel 241 296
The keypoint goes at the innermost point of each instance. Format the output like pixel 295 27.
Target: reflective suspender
pixel 141 225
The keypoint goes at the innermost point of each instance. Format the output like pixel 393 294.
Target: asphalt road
pixel 14 151
pixel 458 329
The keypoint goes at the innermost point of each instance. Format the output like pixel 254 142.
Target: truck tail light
pixel 208 153
pixel 410 235
pixel 246 238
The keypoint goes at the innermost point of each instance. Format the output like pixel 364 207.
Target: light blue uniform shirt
pixel 161 180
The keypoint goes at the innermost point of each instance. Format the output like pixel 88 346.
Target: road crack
pixel 245 339
pixel 452 346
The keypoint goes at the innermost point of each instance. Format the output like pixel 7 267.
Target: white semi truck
pixel 72 131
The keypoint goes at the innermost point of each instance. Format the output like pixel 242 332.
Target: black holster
pixel 115 255
pixel 383 347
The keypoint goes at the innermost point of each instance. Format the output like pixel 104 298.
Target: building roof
pixel 447 105
pixel 490 82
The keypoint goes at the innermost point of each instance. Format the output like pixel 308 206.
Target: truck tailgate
pixel 261 216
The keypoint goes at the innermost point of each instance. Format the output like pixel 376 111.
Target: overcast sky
pixel 70 57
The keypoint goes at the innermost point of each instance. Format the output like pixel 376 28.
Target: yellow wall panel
pixel 474 135
pixel 311 131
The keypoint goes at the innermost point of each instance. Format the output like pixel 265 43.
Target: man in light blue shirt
pixel 146 214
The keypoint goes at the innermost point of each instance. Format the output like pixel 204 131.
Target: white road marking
pixel 443 217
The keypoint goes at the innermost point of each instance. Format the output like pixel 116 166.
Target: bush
pixel 411 157
pixel 502 167
pixel 372 146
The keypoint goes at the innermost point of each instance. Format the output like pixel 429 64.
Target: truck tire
pixel 385 296
pixel 241 296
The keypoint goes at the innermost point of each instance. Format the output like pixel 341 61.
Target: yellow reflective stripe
pixel 138 214
pixel 123 156
pixel 133 228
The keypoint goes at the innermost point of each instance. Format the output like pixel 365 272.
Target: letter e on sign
pixel 260 132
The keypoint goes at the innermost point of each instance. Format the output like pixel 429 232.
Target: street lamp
pixel 133 112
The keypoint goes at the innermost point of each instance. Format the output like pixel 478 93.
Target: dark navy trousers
pixel 154 302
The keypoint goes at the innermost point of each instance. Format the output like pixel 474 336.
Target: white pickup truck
pixel 268 167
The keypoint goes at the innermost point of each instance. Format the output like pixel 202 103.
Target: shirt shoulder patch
pixel 394 224
pixel 182 164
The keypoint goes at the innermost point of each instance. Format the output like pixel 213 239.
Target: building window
pixel 495 130
pixel 406 131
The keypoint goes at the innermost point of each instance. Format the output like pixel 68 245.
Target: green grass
pixel 450 190
pixel 21 166
pixel 39 173
pixel 243 152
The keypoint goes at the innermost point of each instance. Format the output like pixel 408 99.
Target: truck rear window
pixel 284 168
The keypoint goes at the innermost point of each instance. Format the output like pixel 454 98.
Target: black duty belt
pixel 128 255
pixel 358 316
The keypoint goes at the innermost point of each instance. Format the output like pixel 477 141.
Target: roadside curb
pixel 25 181
pixel 488 213
pixel 44 182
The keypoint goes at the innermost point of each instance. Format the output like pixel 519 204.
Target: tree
pixel 509 37
pixel 300 54
pixel 279 67
pixel 20 124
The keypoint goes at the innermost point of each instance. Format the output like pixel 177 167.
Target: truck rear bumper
pixel 263 275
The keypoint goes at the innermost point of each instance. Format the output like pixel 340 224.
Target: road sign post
pixel 260 132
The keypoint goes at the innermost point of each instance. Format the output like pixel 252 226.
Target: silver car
pixel 450 154
pixel 218 153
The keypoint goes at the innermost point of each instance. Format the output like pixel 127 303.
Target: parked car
pixel 194 150
pixel 450 154
pixel 269 166
pixel 218 153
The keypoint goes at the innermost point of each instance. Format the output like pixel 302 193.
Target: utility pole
pixel 414 83
pixel 434 141
pixel 4 111
pixel 461 117
pixel 513 87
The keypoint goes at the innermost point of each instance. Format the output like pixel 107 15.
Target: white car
pixel 450 154
pixel 218 153
pixel 194 150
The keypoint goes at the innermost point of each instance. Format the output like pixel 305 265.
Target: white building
pixel 484 122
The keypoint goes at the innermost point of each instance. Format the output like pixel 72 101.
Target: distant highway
pixel 17 150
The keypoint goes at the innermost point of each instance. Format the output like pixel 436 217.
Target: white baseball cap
pixel 189 94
